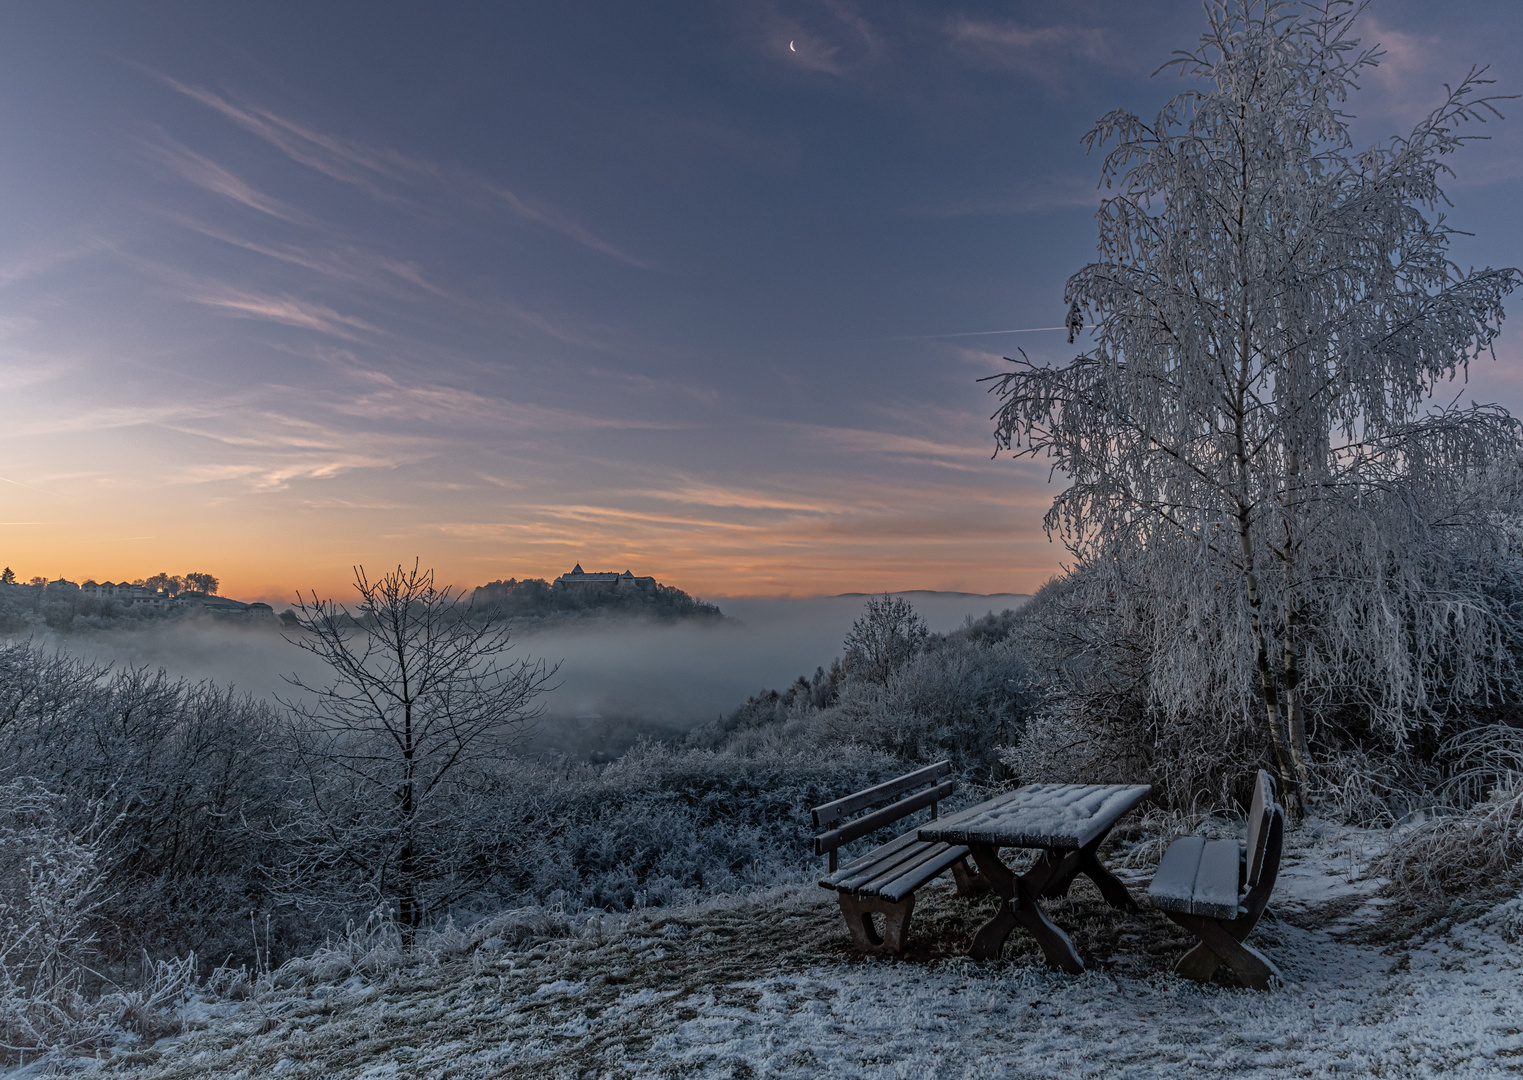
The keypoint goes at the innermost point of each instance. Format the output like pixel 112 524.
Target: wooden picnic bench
pixel 1217 889
pixel 1068 822
pixel 883 881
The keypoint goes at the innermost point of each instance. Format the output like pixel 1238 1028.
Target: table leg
pixel 1052 876
pixel 989 941
pixel 1109 884
pixel 1057 947
pixel 1019 905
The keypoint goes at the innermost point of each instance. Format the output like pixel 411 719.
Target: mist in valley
pixel 619 679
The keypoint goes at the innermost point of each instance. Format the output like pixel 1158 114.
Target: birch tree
pixel 1271 313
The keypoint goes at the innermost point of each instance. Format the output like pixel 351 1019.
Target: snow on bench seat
pixel 1199 877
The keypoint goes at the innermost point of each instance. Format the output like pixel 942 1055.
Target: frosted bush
pixel 51 886
pixel 1480 843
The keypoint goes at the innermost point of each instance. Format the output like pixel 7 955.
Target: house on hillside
pixel 223 605
pixel 580 579
pixel 125 593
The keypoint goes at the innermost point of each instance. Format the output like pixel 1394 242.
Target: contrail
pixel 45 491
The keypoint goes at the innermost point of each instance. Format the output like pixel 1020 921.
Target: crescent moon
pixel 791 48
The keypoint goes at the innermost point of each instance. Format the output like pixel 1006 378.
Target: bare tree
pixel 422 696
pixel 883 638
pixel 1272 312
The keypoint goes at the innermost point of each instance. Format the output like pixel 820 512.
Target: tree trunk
pixel 1295 712
pixel 1267 683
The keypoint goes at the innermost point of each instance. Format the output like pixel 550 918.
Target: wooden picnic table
pixel 1068 822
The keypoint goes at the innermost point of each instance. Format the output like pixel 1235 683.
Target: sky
pixel 700 290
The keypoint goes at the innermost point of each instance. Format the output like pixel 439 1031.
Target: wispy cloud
pixel 1044 53
pixel 831 37
pixel 559 221
pixel 341 262
pixel 21 266
pixel 345 160
pixel 387 397
pixel 285 310
pixel 739 498
pixel 208 175
pixel 385 174
pixel 888 444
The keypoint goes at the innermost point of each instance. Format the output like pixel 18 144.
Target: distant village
pixel 62 605
pixel 194 592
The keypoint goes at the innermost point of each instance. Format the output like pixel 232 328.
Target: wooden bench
pixel 1217 890
pixel 884 880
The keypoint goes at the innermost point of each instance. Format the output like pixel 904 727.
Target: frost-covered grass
pixel 765 986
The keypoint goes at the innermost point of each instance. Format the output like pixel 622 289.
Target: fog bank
pixel 618 678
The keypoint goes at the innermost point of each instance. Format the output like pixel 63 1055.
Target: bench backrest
pixel 1266 839
pixel 832 816
pixel 1259 815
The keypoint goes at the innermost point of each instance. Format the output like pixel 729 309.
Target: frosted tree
pixel 883 638
pixel 1250 433
pixel 422 694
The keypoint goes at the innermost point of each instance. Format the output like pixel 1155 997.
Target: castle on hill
pixel 578 578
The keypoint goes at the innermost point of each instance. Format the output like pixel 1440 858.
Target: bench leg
pixel 859 911
pixel 970 881
pixel 1220 943
pixel 1200 963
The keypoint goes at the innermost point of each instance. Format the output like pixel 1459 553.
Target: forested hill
pixel 535 598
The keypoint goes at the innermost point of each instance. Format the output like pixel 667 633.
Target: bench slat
pixel 873 857
pixel 887 874
pixel 1173 884
pixel 863 870
pixel 869 823
pixel 1217 879
pixel 829 813
pixel 911 880
pixel 1258 825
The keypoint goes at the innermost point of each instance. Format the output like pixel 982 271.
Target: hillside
pixel 538 599
pixel 764 986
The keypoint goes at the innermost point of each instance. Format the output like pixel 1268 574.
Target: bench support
pixel 1224 940
pixel 859 911
pixel 1221 942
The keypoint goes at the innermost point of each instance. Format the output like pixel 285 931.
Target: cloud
pixel 287 311
pixel 386 175
pixel 29 265
pixel 718 496
pixel 208 175
pixel 1044 53
pixel 558 221
pixel 888 444
pixel 345 263
pixel 347 161
pixel 831 37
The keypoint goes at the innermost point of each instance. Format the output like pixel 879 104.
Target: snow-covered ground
pixel 765 987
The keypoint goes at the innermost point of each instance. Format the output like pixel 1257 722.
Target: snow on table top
pixel 1040 815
